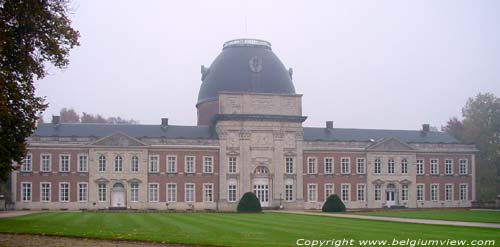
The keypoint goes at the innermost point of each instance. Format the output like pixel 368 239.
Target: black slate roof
pixel 134 130
pixel 409 136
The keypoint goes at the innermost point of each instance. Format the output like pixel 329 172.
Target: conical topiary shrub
pixel 249 203
pixel 333 204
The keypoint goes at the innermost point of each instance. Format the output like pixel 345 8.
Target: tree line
pixel 69 115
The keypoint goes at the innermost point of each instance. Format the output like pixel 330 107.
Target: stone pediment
pixel 390 144
pixel 118 139
pixel 101 180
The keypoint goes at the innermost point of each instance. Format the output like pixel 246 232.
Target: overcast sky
pixel 363 64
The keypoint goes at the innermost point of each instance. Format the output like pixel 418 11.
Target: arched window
pixel 118 163
pixel 134 164
pixel 261 170
pixel 102 163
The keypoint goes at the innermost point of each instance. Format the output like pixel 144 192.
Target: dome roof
pixel 245 65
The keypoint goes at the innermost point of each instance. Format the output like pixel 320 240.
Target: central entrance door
pixel 391 195
pixel 118 195
pixel 261 190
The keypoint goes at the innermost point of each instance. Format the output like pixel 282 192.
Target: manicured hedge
pixel 249 203
pixel 333 204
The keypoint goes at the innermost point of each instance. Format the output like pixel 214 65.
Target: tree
pixel 69 116
pixel 33 34
pixel 333 204
pixel 481 126
pixel 249 203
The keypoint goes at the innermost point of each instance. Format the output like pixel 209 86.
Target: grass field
pixel 268 229
pixel 458 215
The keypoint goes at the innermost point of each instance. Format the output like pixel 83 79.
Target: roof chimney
pixel 329 125
pixel 164 122
pixel 426 127
pixel 56 120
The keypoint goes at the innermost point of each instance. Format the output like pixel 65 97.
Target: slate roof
pixel 134 130
pixel 409 136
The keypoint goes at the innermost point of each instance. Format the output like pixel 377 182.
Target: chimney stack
pixel 426 127
pixel 164 122
pixel 56 120
pixel 329 124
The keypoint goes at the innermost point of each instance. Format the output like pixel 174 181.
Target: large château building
pixel 249 137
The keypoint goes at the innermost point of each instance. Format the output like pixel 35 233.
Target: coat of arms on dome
pixel 255 64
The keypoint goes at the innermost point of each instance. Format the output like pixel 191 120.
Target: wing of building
pixel 249 137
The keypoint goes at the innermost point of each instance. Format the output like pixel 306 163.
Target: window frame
pixel 101 163
pixel 362 164
pixel 359 188
pixel 377 166
pixel 134 163
pixel 289 165
pixel 118 164
pixel 211 164
pixel 420 192
pixel 61 165
pixel 391 166
pixel 134 192
pixel 83 165
pixel 448 167
pixel 420 166
pixel 404 166
pixel 312 165
pixel 230 190
pixel 25 164
pixel 26 191
pixel 329 163
pixel 232 164
pixel 61 195
pixel 332 189
pixel 312 197
pixel 345 197
pixel 171 197
pixel 205 190
pixel 86 194
pixel 188 164
pixel 434 165
pixel 49 162
pixel 193 200
pixel 434 190
pixel 463 163
pixel 156 195
pixel 154 163
pixel 49 192
pixel 343 165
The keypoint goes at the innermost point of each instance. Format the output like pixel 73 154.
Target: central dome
pixel 245 65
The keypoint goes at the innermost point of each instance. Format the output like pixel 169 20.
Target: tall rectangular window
pixel 328 165
pixel 390 166
pixel 118 163
pixel 171 164
pixel 83 163
pixel 463 167
pixel 171 192
pixel 134 192
pixel 289 192
pixel 63 192
pixel 27 164
pixel 134 164
pixel 189 192
pixel 361 192
pixel 102 163
pixel 101 192
pixel 26 192
pixel 420 167
pixel 448 167
pixel 360 166
pixel 448 192
pixel 154 163
pixel 45 192
pixel 328 190
pixel 404 166
pixel 208 192
pixel 378 192
pixel 434 192
pixel 420 192
pixel 464 192
pixel 189 164
pixel 45 163
pixel 82 192
pixel 345 165
pixel 231 193
pixel 232 163
pixel 311 165
pixel 64 162
pixel 345 192
pixel 312 192
pixel 153 193
pixel 404 192
pixel 377 166
pixel 208 164
pixel 289 165
pixel 434 167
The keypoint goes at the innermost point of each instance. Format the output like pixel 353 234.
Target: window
pixel 329 165
pixel 378 166
pixel 232 165
pixel 390 166
pixel 378 192
pixel 361 192
pixel 404 166
pixel 134 192
pixel 420 167
pixel 208 164
pixel 189 164
pixel 101 191
pixel 171 192
pixel 153 193
pixel 448 167
pixel 45 192
pixel 118 163
pixel 404 192
pixel 289 192
pixel 26 192
pixel 345 165
pixel 134 164
pixel 82 192
pixel 360 166
pixel 434 192
pixel 102 163
pixel 311 165
pixel 45 163
pixel 345 192
pixel 208 192
pixel 328 190
pixel 420 192
pixel 231 193
pixel 448 192
pixel 27 164
pixel 434 167
pixel 63 192
pixel 83 163
pixel 463 192
pixel 312 192
pixel 463 167
pixel 189 192
pixel 64 162
pixel 171 164
pixel 153 163
pixel 289 165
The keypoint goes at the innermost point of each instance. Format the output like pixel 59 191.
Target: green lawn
pixel 268 229
pixel 459 215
